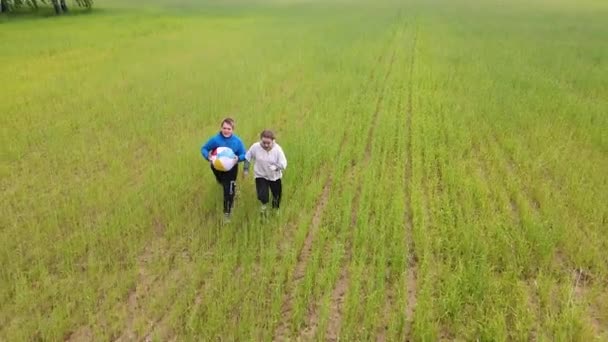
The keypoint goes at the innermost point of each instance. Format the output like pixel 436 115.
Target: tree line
pixel 60 6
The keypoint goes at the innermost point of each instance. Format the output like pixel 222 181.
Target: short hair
pixel 267 134
pixel 229 121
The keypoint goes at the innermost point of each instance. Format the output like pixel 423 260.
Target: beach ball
pixel 223 158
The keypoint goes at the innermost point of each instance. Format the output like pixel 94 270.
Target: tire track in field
pixel 581 288
pixel 508 172
pixel 412 260
pixel 390 288
pixel 151 285
pixel 479 151
pixel 566 88
pixel 514 171
pixel 160 327
pixel 160 324
pixel 145 284
pixel 511 170
pixel 282 331
pixel 338 295
pixel 499 182
pixel 148 284
pixel 142 284
pixel 308 333
pixel 428 219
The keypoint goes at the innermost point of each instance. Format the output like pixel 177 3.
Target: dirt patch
pixel 81 334
pixel 142 288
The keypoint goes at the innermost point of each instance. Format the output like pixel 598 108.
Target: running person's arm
pixel 282 162
pixel 240 151
pixel 209 146
pixel 249 157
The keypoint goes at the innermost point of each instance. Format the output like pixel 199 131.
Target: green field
pixel 447 174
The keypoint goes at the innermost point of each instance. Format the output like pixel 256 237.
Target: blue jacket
pixel 219 140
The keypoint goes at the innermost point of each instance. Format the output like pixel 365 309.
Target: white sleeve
pixel 249 156
pixel 282 160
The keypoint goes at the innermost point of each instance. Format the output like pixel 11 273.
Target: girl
pixel 226 138
pixel 269 163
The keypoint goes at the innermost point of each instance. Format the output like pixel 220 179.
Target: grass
pixel 446 171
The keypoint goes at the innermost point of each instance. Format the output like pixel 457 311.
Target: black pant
pixel 228 181
pixel 262 185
